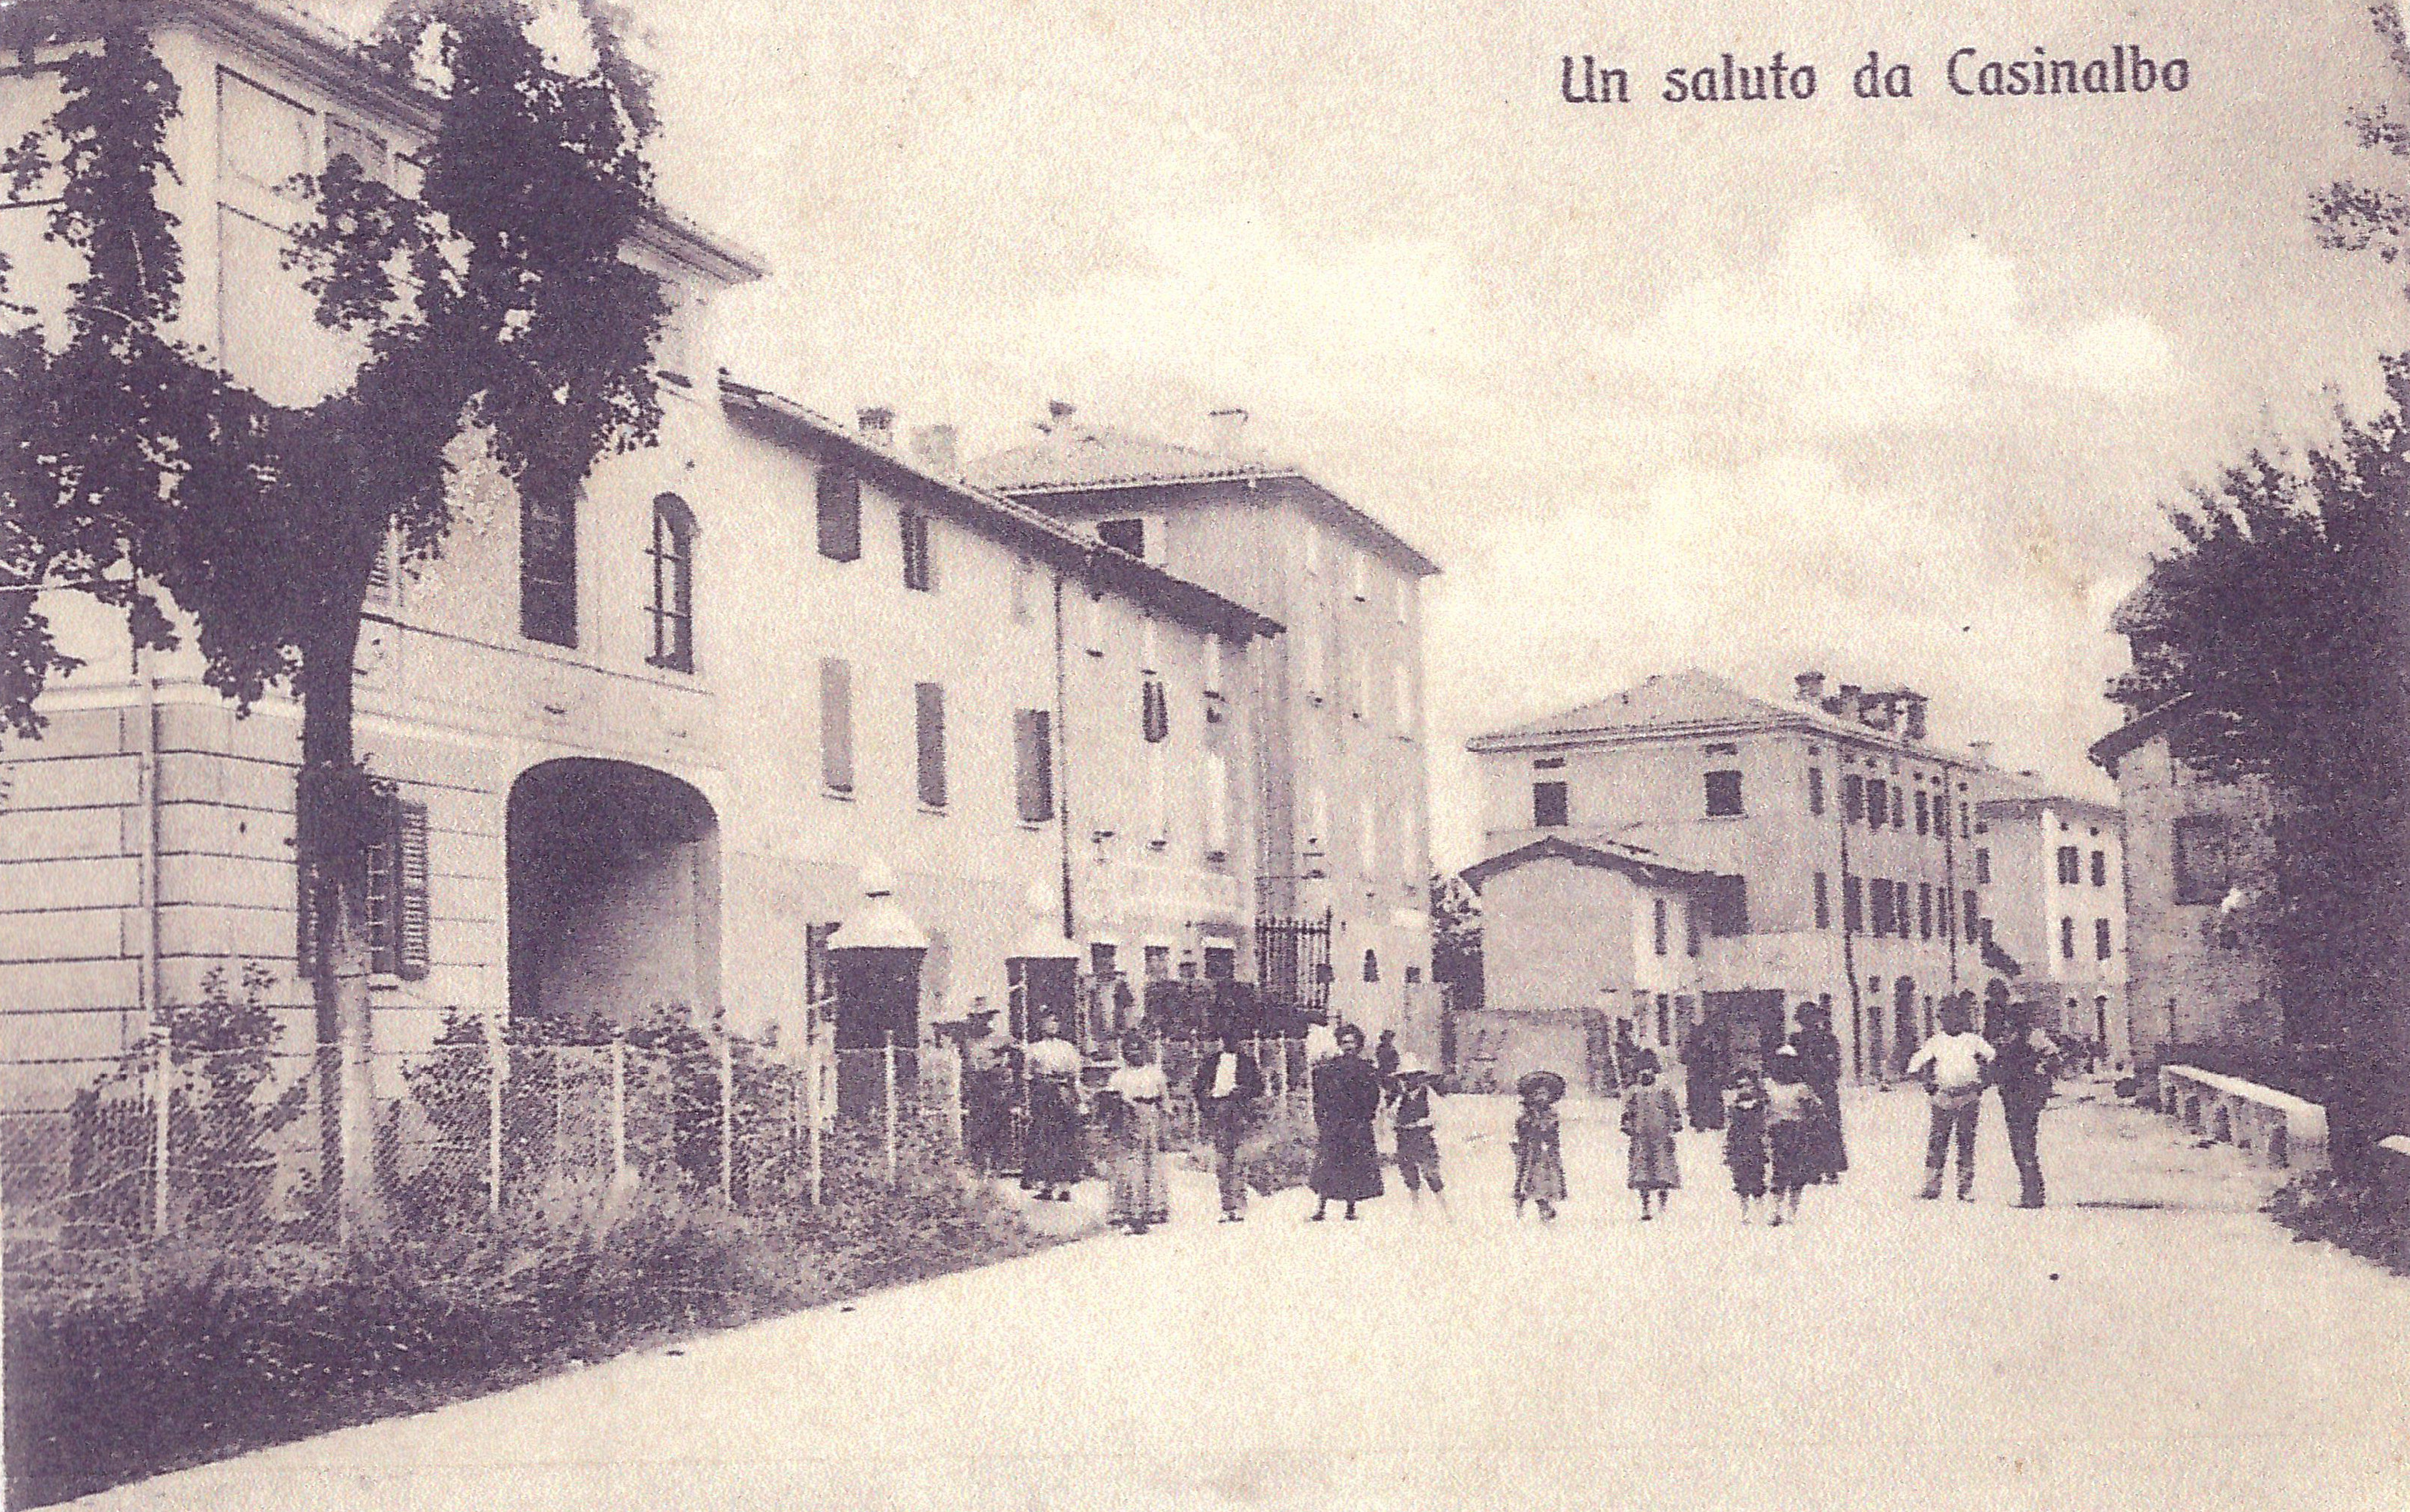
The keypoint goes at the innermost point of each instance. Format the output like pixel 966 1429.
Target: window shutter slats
pixel 411 927
pixel 836 725
pixel 929 729
pixel 1032 746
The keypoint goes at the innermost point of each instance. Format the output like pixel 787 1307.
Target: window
pixel 1156 961
pixel 1982 865
pixel 1213 666
pixel 837 499
pixel 1727 906
pixel 1854 911
pixel 1883 907
pixel 1941 900
pixel 1924 910
pixel 1124 535
pixel 1154 711
pixel 1658 921
pixel 1723 794
pixel 548 570
pixel 1372 967
pixel 836 725
pixel 1878 799
pixel 2203 859
pixel 1360 577
pixel 672 556
pixel 2099 868
pixel 1404 595
pixel 1549 805
pixel 1665 1019
pixel 1823 902
pixel 1158 798
pixel 1815 790
pixel 1971 913
pixel 397 903
pixel 364 147
pixel 1693 922
pixel 1025 591
pixel 929 739
pixel 1923 812
pixel 2070 866
pixel 1033 765
pixel 1217 805
pixel 919 569
pixel 1853 798
pixel 2067 938
pixel 1965 823
pixel 2101 939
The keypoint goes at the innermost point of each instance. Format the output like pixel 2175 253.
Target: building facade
pixel 643 755
pixel 2197 851
pixel 1838 837
pixel 1340 774
pixel 2049 872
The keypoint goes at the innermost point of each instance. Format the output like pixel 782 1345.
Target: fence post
pixel 160 1087
pixel 618 1106
pixel 888 1036
pixel 727 1116
pixel 953 1063
pixel 812 1105
pixel 497 1063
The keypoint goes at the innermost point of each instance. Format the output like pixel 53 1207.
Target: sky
pixel 1896 390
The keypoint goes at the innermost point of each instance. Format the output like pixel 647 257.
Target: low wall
pixel 2284 1130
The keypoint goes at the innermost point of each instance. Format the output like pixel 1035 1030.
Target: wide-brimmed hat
pixel 1546 1083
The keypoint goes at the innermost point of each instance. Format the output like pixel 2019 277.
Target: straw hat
pixel 1547 1083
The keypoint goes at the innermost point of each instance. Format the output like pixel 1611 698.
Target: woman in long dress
pixel 1346 1096
pixel 1138 1091
pixel 1651 1118
pixel 1051 1158
pixel 1819 1069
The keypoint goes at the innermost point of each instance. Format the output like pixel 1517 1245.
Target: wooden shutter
pixel 838 494
pixel 1154 711
pixel 1217 804
pixel 409 930
pixel 929 731
pixel 836 725
pixel 1033 753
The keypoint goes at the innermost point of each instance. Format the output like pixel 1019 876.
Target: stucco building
pixel 642 755
pixel 1339 774
pixel 2049 872
pixel 1836 835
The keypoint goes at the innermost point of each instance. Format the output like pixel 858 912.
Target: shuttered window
pixel 1823 902
pixel 1154 711
pixel 672 560
pixel 1217 805
pixel 929 740
pixel 836 725
pixel 395 899
pixel 838 498
pixel 920 568
pixel 1033 765
pixel 1853 905
pixel 548 572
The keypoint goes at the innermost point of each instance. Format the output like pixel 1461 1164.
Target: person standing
pixel 1745 1138
pixel 1136 1093
pixel 1703 1071
pixel 1385 1060
pixel 1229 1084
pixel 1952 1063
pixel 1651 1117
pixel 1539 1158
pixel 1053 1158
pixel 1820 1066
pixel 1417 1140
pixel 2024 1071
pixel 1346 1098
pixel 1790 1133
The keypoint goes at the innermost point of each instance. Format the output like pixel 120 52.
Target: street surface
pixel 2149 1340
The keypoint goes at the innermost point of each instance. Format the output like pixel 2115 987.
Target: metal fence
pixel 229 1145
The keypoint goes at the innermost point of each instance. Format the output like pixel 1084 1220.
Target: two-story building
pixel 1836 835
pixel 1338 772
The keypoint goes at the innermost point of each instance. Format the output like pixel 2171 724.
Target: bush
pixel 1278 1156
pixel 2369 1216
pixel 121 1367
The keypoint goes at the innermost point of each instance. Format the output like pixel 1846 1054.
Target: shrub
pixel 2369 1216
pixel 1278 1156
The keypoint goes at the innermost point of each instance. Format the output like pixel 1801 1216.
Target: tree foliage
pixel 1455 937
pixel 2355 216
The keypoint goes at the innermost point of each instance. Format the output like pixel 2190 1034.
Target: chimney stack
pixel 876 424
pixel 934 444
pixel 1228 426
pixel 1915 703
pixel 1058 416
pixel 1850 708
pixel 1879 710
pixel 1810 686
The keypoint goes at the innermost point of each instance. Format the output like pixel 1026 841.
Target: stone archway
pixel 613 884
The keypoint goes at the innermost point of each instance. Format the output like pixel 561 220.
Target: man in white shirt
pixel 1954 1064
pixel 1227 1085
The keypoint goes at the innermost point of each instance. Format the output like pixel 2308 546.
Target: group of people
pixel 1957 1064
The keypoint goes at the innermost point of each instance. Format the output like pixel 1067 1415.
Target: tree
pixel 2283 617
pixel 2351 216
pixel 493 316
pixel 1455 937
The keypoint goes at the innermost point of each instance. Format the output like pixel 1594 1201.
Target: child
pixel 1652 1119
pixel 1539 1167
pixel 1791 1109
pixel 1744 1139
pixel 1417 1147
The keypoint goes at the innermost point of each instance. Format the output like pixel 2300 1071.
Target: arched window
pixel 673 560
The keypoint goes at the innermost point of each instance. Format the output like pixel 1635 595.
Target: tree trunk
pixel 335 811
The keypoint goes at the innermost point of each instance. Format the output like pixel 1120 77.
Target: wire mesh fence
pixel 224 1136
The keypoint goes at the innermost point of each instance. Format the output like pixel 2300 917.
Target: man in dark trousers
pixel 1228 1086
pixel 2023 1074
pixel 1385 1060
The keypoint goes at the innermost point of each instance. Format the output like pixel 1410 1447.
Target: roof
pixel 1692 703
pixel 329 57
pixel 1082 460
pixel 1606 857
pixel 2140 729
pixel 786 421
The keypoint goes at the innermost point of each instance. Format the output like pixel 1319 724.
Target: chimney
pixel 1982 750
pixel 1810 686
pixel 1058 416
pixel 1882 711
pixel 1227 425
pixel 877 424
pixel 1848 708
pixel 934 444
pixel 1915 703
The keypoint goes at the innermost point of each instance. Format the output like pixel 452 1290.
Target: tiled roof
pixel 1680 702
pixel 1606 854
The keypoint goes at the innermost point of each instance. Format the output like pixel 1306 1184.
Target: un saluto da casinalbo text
pixel 1968 72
